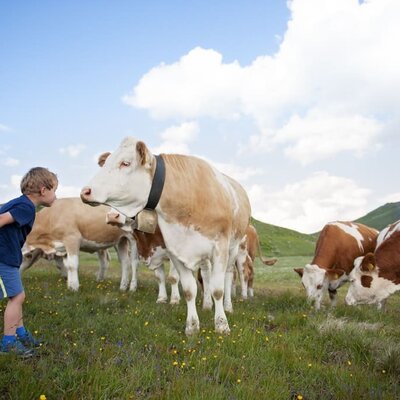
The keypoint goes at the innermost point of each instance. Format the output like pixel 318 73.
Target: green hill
pixel 277 241
pixel 382 216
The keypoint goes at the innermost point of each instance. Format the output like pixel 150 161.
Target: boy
pixel 38 187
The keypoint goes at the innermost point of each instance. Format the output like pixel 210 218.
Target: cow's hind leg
pixel 205 270
pixel 217 282
pixel 189 287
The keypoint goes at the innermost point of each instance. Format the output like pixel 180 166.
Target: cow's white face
pixel 124 181
pixel 366 287
pixel 315 282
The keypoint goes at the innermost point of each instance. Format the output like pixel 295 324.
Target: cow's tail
pixel 265 261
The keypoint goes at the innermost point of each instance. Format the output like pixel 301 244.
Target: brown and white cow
pixel 150 250
pixel 248 250
pixel 70 226
pixel 338 245
pixel 202 213
pixel 377 274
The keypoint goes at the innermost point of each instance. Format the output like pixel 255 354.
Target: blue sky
pixel 299 100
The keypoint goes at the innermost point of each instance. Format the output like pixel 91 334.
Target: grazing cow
pixel 150 250
pixel 338 245
pixel 69 226
pixel 248 249
pixel 377 275
pixel 202 213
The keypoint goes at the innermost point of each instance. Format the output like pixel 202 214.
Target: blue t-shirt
pixel 13 236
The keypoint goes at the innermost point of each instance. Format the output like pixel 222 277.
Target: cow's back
pixel 71 217
pixel 197 195
pixel 387 254
pixel 337 248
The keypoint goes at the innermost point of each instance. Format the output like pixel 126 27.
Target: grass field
pixel 103 344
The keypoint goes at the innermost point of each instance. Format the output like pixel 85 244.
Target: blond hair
pixel 36 178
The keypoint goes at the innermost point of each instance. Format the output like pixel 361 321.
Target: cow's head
pixel 366 287
pixel 115 218
pixel 316 281
pixel 125 179
pixel 29 256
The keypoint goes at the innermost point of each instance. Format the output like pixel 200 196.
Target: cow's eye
pixel 125 163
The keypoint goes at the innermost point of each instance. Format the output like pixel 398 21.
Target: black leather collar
pixel 157 184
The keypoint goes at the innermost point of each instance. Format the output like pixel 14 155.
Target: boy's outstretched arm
pixel 6 218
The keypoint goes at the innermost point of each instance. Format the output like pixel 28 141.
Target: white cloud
pixel 333 86
pixel 390 198
pixel 4 128
pixel 175 139
pixel 68 191
pixel 72 150
pixel 308 205
pixel 319 135
pixel 199 84
pixel 10 162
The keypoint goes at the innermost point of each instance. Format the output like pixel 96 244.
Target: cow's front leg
pixel 125 261
pixel 189 287
pixel 104 259
pixel 173 279
pixel 332 297
pixel 61 267
pixel 162 290
pixel 71 263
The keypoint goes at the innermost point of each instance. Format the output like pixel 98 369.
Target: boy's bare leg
pixel 13 314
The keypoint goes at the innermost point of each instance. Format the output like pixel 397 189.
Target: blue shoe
pixel 16 348
pixel 29 341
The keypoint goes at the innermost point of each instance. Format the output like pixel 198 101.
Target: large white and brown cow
pixel 248 250
pixel 150 250
pixel 377 274
pixel 69 226
pixel 338 245
pixel 202 214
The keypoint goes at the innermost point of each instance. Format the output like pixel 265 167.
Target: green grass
pixel 103 344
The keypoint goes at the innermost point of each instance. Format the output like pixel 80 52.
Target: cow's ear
pixel 334 274
pixel 102 158
pixel 299 271
pixel 368 263
pixel 143 153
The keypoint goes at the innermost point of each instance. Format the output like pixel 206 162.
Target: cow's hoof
pixel 207 306
pixel 222 326
pixel 192 327
pixel 132 288
pixel 73 288
pixel 162 300
pixel 174 301
pixel 228 308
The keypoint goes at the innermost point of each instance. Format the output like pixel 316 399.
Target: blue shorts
pixel 10 281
